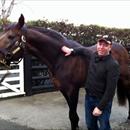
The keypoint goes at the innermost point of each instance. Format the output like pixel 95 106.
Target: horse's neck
pixel 43 47
pixel 92 48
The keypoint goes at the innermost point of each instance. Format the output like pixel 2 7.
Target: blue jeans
pixel 93 122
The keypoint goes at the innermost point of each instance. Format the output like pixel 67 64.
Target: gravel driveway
pixel 49 111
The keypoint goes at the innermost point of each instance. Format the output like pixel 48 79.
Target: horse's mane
pixel 9 26
pixel 50 32
pixel 56 35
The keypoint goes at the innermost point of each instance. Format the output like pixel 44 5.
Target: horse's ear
pixel 20 22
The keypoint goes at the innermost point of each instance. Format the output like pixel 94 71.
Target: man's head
pixel 104 45
pixel 106 39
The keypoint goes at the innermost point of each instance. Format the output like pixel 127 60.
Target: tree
pixel 6 11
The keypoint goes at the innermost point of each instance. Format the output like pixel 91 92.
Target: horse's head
pixel 12 42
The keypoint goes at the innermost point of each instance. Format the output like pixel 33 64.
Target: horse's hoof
pixel 127 121
pixel 124 125
pixel 77 128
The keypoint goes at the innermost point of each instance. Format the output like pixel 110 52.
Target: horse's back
pixel 121 55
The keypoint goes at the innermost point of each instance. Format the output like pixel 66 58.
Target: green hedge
pixel 85 35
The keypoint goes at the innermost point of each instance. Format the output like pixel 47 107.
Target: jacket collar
pixel 101 58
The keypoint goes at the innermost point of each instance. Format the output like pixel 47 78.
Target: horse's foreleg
pixel 72 100
pixel 74 118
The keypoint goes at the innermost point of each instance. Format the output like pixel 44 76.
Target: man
pixel 101 83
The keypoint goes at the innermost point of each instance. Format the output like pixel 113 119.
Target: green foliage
pixel 1 24
pixel 85 35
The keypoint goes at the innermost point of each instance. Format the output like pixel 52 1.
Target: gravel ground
pixel 49 111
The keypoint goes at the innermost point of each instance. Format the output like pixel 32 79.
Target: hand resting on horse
pixel 67 50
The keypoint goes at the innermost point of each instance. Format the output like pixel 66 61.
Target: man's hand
pixel 97 112
pixel 66 50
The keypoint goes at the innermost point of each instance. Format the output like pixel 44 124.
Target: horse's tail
pixel 121 93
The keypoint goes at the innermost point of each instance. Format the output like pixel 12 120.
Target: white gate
pixel 13 84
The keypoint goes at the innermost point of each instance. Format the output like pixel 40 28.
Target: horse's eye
pixel 11 37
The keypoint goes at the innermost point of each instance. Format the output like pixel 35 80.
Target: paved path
pixel 49 111
pixel 7 125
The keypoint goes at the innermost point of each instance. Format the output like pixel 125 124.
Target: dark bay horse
pixel 67 73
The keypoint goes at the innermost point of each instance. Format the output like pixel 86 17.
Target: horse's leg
pixel 72 100
pixel 123 93
pixel 128 96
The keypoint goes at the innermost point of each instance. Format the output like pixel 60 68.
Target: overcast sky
pixel 104 13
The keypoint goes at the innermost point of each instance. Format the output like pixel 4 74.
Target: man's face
pixel 103 48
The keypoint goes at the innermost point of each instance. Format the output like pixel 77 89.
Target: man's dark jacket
pixel 103 74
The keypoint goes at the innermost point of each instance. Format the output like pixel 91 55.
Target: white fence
pixel 13 84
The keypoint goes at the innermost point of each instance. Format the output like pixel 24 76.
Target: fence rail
pixel 13 84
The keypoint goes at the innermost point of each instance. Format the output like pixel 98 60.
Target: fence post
pixel 27 75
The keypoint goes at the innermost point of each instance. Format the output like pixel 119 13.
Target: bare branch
pixel 5 13
pixel 10 9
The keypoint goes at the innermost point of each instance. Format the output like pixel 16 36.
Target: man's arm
pixel 112 78
pixel 111 83
pixel 77 51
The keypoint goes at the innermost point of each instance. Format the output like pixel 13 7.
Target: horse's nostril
pixel 8 56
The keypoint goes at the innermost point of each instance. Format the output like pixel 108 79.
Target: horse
pixel 68 74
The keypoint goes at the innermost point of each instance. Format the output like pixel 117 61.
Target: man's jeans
pixel 94 122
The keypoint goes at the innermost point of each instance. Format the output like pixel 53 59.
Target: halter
pixel 12 50
pixel 8 54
